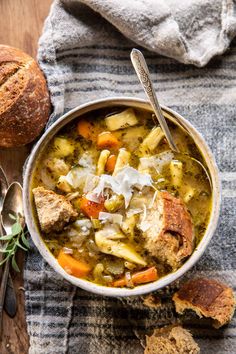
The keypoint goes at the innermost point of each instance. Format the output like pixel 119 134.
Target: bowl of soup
pixel 111 207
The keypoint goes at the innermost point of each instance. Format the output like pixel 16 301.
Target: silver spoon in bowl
pixel 12 204
pixel 141 69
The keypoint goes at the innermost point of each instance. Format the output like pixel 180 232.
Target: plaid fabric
pixel 85 58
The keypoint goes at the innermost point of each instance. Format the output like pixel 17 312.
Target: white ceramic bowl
pixel 28 199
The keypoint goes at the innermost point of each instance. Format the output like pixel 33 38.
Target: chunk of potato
pixel 63 146
pixel 63 185
pixel 126 118
pixel 117 248
pixel 131 137
pixel 57 166
pixel 77 177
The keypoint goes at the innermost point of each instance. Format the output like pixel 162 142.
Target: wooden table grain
pixel 20 26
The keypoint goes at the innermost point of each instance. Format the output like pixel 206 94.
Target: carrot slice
pixel 145 276
pixel 91 209
pixel 107 140
pixel 87 130
pixel 110 164
pixel 73 266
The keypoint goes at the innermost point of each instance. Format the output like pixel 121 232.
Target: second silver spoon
pixel 12 204
pixel 10 303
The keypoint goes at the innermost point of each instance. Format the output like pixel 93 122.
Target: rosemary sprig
pixel 16 239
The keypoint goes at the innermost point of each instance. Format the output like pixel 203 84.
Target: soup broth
pixel 139 209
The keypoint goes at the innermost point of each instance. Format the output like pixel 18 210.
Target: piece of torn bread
pixel 171 340
pixel 208 298
pixel 171 236
pixel 54 210
pixel 152 301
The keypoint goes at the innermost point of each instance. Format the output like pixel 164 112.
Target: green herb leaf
pixel 6 237
pixel 14 264
pixel 22 247
pixel 4 260
pixel 10 245
pixel 4 250
pixel 16 229
pixel 14 241
pixel 24 240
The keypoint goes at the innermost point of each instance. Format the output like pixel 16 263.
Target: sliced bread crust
pixel 208 298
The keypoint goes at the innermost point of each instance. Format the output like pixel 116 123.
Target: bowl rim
pixel 34 231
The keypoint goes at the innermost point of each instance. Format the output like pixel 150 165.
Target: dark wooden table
pixel 20 26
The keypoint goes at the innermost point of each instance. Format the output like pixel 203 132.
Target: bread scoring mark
pixel 12 88
pixel 7 70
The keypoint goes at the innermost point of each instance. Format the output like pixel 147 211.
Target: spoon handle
pixel 10 302
pixel 7 291
pixel 140 66
pixel 3 293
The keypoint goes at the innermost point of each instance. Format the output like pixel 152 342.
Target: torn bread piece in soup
pixel 114 204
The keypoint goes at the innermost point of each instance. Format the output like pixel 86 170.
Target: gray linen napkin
pixel 84 57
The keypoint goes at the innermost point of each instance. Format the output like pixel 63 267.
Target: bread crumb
pixel 152 301
pixel 171 340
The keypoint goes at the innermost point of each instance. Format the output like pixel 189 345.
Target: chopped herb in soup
pixel 114 204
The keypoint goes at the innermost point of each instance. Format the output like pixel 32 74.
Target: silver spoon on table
pixel 141 69
pixel 12 204
pixel 9 300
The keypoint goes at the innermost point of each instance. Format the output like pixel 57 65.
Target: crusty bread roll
pixel 171 340
pixel 24 98
pixel 208 298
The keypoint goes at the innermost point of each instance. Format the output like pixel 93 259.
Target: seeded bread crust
pixel 171 340
pixel 24 98
pixel 208 298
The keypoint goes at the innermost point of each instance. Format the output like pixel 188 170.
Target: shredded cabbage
pixel 91 182
pixel 78 175
pixel 86 161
